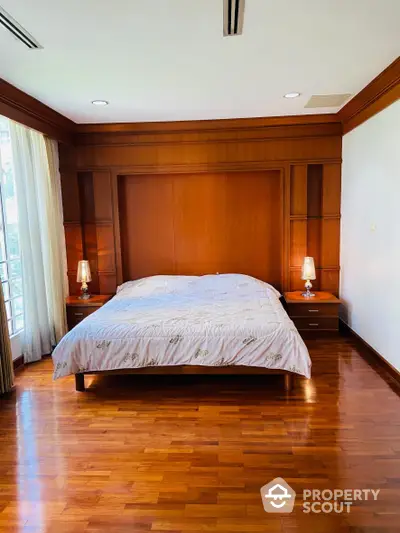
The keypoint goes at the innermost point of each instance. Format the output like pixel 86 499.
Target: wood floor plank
pixel 179 454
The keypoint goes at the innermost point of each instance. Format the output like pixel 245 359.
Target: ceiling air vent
pixel 18 31
pixel 327 100
pixel 233 17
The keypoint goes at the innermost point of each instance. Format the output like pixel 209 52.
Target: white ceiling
pixel 157 60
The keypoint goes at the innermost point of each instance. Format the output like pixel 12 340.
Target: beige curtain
pixel 59 281
pixel 6 365
pixel 42 242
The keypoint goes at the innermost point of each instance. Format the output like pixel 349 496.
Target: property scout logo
pixel 279 497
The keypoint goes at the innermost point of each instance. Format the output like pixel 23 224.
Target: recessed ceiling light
pixel 99 102
pixel 291 95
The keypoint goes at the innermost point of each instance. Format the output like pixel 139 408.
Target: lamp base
pixel 308 293
pixel 84 296
pixel 85 292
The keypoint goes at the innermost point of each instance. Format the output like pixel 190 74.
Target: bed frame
pixel 189 369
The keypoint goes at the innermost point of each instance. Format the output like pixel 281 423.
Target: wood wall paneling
pixel 74 248
pixel 104 222
pixel 314 190
pixel 315 223
pixel 89 227
pixel 202 224
pixel 139 164
pixel 314 240
pixel 330 280
pixel 298 190
pixel 146 224
pixel 199 126
pixel 330 243
pixel 331 189
pixel 178 157
pixel 298 242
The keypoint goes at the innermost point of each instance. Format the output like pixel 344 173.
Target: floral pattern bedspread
pixel 212 320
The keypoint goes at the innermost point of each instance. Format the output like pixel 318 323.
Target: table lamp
pixel 308 273
pixel 84 277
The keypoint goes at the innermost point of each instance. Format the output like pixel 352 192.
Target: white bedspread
pixel 214 320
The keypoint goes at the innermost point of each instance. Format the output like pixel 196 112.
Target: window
pixel 10 259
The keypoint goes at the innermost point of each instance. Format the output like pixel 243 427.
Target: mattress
pixel 212 320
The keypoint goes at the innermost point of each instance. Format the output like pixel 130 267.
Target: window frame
pixel 12 317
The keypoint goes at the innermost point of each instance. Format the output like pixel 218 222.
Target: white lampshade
pixel 308 270
pixel 84 274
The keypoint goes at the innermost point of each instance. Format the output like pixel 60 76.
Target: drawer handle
pixel 313 310
pixel 316 324
pixel 78 314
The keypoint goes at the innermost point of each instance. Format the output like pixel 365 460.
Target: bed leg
pixel 289 381
pixel 80 382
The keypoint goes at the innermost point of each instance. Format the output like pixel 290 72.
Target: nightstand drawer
pixel 315 323
pixel 78 309
pixel 313 310
pixel 77 314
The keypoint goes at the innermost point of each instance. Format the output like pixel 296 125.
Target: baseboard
pixel 18 363
pixel 370 354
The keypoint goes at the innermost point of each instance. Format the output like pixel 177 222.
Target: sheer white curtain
pixel 41 240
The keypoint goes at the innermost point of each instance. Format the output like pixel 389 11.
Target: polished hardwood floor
pixel 190 453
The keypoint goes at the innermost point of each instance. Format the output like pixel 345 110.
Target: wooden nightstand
pixel 78 309
pixel 319 313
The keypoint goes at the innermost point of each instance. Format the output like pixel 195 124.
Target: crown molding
pixel 19 106
pixel 380 93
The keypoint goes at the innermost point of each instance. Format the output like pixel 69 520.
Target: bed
pixel 229 323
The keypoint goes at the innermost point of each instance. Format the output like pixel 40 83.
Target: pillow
pixel 155 285
pixel 234 282
pixel 164 284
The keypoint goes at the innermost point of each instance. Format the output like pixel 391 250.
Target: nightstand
pixel 318 313
pixel 78 309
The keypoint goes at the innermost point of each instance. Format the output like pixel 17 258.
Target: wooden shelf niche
pixel 315 223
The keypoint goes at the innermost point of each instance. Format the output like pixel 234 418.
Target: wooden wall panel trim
pixel 70 197
pixel 331 190
pixel 238 155
pixel 330 243
pixel 117 228
pixel 205 137
pixel 298 188
pixel 231 166
pixel 107 282
pixel 205 125
pixel 298 242
pixel 102 197
pixel 25 109
pixel 105 248
pixel 286 195
pixel 381 92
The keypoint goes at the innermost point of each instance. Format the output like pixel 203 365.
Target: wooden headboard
pixel 245 195
pixel 195 224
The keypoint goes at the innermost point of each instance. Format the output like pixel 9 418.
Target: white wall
pixel 370 232
pixel 16 345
